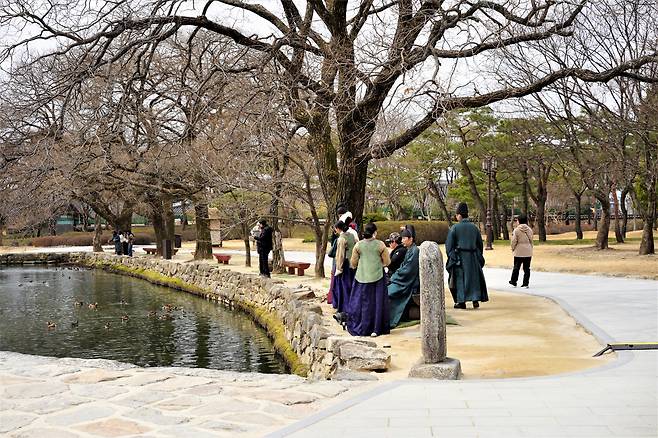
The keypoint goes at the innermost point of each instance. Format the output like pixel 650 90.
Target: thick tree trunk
pixel 624 212
pixel 158 227
pixel 579 227
pixel 321 240
pixel 436 194
pixel 52 226
pixel 96 242
pixel 247 248
pixel 615 202
pixel 472 186
pixel 594 216
pixel 541 220
pixel 203 249
pixel 277 249
pixel 351 190
pixel 168 219
pixel 525 201
pixel 648 211
pixel 123 221
pixel 604 226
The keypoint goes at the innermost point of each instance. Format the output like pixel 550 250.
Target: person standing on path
pixel 465 261
pixel 344 274
pixel 369 308
pixel 522 250
pixel 264 246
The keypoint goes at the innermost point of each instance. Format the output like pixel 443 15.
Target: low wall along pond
pixel 291 318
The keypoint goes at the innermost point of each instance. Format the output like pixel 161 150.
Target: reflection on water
pixel 156 326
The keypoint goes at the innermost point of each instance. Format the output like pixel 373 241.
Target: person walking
pixel 131 240
pixel 116 240
pixel 125 243
pixel 464 250
pixel 369 308
pixel 264 246
pixel 522 250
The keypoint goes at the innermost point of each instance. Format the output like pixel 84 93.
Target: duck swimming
pixel 79 303
pixel 107 326
pixel 74 323
pixel 51 324
pixel 93 306
pixel 124 318
pixel 152 314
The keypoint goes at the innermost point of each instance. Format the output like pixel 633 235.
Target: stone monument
pixel 215 226
pixel 434 364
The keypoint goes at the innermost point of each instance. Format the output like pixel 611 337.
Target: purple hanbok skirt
pixel 341 290
pixel 369 310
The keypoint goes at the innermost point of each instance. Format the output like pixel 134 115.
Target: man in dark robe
pixel 264 246
pixel 464 250
pixel 405 282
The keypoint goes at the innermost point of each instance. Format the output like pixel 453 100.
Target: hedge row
pixel 146 237
pixel 84 239
pixel 436 231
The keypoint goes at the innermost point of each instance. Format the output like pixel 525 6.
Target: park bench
pixel 296 265
pixel 151 250
pixel 222 258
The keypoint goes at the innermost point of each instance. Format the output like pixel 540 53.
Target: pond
pixel 45 311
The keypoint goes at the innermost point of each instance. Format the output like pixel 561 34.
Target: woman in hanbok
pixel 344 274
pixel 369 311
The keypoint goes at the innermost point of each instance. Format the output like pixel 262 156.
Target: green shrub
pixel 143 236
pixel 436 231
pixel 374 217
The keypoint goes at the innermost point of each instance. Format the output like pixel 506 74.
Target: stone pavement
pixel 50 397
pixel 619 399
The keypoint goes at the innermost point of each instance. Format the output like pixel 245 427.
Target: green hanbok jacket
pixel 464 250
pixel 404 282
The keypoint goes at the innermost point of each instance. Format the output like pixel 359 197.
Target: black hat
pixel 406 233
pixel 462 209
pixel 263 222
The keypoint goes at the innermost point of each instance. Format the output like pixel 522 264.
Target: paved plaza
pixel 618 399
pixel 83 398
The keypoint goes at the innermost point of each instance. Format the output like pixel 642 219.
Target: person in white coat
pixel 522 250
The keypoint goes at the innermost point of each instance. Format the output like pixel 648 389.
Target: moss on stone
pixel 268 320
pixel 277 332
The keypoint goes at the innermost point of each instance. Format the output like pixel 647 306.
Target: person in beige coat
pixel 522 250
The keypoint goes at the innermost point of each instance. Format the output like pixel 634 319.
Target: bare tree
pixel 343 71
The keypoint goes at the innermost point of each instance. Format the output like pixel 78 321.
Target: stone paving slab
pixel 92 398
pixel 616 400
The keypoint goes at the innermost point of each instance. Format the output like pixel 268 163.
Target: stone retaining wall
pixel 292 317
pixel 33 258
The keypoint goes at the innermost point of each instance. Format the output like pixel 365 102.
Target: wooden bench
pixel 296 265
pixel 222 258
pixel 154 251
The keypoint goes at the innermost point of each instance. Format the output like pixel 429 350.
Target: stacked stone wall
pixel 292 317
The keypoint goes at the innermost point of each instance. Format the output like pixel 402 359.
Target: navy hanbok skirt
pixel 341 289
pixel 369 310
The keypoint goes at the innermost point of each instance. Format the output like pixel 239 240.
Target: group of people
pixel 123 242
pixel 371 288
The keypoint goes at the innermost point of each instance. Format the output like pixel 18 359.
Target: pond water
pixel 134 321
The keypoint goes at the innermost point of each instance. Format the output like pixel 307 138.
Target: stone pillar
pixel 434 364
pixel 432 303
